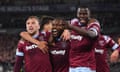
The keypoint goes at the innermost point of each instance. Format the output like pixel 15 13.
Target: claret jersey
pixel 35 60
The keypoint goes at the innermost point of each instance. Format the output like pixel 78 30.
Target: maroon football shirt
pixel 104 42
pixel 82 52
pixel 59 55
pixel 35 60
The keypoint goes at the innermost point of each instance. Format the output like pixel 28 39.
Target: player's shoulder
pixel 74 20
pixel 21 42
pixel 93 21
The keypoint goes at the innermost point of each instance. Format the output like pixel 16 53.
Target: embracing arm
pixel 41 44
pixel 84 32
pixel 91 31
pixel 26 36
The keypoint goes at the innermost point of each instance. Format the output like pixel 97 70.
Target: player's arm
pixel 114 46
pixel 115 55
pixel 19 56
pixel 66 35
pixel 84 32
pixel 41 44
pixel 92 33
pixel 18 63
pixel 25 35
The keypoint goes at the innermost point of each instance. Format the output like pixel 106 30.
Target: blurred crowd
pixel 8 44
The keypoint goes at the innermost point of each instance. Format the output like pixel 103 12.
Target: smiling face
pixel 57 27
pixel 83 14
pixel 32 25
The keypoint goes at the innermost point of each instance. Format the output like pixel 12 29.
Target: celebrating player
pixel 34 59
pixel 83 37
pixel 104 42
pixel 59 49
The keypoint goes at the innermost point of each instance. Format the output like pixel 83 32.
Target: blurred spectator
pixel 7 51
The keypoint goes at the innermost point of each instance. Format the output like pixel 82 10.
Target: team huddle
pixel 56 45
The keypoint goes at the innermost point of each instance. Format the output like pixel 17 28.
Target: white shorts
pixel 80 69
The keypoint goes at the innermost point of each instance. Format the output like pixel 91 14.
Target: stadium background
pixel 13 14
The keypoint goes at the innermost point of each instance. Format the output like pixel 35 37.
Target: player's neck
pixel 35 35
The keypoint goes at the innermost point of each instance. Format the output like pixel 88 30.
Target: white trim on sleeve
pixel 115 46
pixel 19 53
pixel 93 29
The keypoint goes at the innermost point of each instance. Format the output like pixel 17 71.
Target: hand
pixel 114 56
pixel 67 25
pixel 42 45
pixel 65 35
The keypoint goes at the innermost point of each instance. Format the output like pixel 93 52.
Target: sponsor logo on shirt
pixel 58 52
pixel 78 37
pixel 101 51
pixel 31 47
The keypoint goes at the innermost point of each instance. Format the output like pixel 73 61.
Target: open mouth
pixel 31 28
pixel 82 20
pixel 54 32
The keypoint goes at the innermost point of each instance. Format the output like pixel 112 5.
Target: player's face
pixel 57 28
pixel 48 27
pixel 83 15
pixel 32 25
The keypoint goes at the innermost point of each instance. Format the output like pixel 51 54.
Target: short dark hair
pixel 45 20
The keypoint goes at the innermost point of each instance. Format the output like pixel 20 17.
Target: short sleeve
pixel 94 26
pixel 110 42
pixel 20 48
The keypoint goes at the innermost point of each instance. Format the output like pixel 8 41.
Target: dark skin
pixel 57 30
pixel 83 15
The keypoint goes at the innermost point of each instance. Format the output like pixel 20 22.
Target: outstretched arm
pixel 84 32
pixel 92 33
